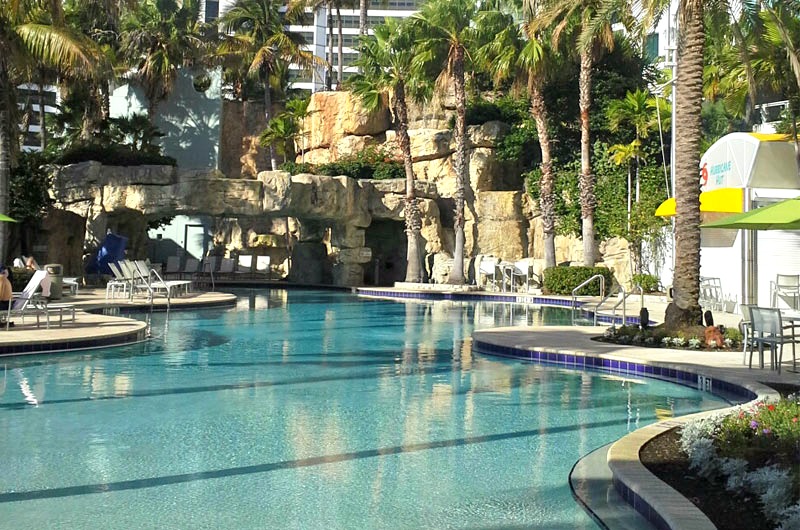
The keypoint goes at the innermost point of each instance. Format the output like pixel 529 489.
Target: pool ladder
pixel 581 286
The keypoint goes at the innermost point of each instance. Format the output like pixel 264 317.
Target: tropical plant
pixel 446 31
pixel 589 23
pixel 281 131
pixel 524 58
pixel 158 39
pixel 258 35
pixel 385 65
pixel 26 40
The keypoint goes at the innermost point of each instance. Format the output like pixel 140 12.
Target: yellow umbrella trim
pixel 722 200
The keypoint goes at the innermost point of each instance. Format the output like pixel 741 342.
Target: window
pixel 212 10
pixel 651 46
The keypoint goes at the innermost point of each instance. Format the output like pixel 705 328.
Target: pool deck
pixel 96 322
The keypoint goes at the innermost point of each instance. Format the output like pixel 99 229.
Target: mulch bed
pixel 664 458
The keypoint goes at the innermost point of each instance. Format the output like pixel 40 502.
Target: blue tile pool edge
pixel 471 296
pixel 588 361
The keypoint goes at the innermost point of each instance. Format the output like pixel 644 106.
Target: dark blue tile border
pixel 717 387
pixel 77 344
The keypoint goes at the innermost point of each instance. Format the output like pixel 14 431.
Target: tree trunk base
pixel 675 317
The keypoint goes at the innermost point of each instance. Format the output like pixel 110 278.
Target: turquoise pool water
pixel 306 409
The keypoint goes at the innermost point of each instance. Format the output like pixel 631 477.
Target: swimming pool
pixel 310 409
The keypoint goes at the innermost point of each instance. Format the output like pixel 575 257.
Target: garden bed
pixel 665 457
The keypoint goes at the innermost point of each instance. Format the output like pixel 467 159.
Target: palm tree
pixel 385 64
pixel 637 109
pixel 25 41
pixel 259 35
pixel 447 32
pixel 589 22
pixel 525 57
pixel 158 39
pixel 685 309
pixel 782 31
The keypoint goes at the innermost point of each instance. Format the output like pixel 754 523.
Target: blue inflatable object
pixel 111 251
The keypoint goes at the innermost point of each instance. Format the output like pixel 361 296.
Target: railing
pixel 584 284
pixel 624 303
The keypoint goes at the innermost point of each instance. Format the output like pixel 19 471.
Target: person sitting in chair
pixel 6 291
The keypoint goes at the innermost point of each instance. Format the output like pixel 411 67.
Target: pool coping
pixel 659 503
pixel 485 296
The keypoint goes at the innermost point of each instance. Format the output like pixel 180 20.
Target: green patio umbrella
pixel 784 215
pixel 6 219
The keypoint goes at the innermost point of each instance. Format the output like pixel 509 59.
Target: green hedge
pixel 112 155
pixel 648 282
pixel 562 280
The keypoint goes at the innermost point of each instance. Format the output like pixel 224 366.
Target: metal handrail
pixel 624 307
pixel 584 284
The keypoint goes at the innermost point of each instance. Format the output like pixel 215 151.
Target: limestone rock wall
pixel 320 229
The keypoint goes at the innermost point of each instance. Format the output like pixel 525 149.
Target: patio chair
pixel 488 269
pixel 769 331
pixel 262 266
pixel 786 287
pixel 173 267
pixel 27 303
pixel 244 265
pixel 190 268
pixel 154 282
pixel 226 268
pixel 120 281
pixel 746 329
pixel 522 274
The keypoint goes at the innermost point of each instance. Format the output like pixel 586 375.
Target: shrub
pixel 647 282
pixel 112 155
pixel 562 280
pixel 734 335
pixel 371 163
pixel 295 168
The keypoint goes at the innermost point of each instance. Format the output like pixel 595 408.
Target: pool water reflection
pixel 311 409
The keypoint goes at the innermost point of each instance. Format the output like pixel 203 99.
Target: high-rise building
pixel 315 29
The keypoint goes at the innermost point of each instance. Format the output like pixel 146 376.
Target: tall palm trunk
pixel 42 124
pixel 588 200
pixel 689 93
pixel 341 46
pixel 460 163
pixel 546 196
pixel 273 161
pixel 5 153
pixel 363 5
pixel 412 215
pixel 105 103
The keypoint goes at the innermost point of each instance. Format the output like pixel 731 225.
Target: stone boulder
pixel 334 115
pixel 502 228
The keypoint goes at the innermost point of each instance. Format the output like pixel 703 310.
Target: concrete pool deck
pixel 96 322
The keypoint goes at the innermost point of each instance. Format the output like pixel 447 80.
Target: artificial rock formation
pixel 320 229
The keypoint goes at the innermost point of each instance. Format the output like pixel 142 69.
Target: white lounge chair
pixel 28 303
pixel 488 269
pixel 154 282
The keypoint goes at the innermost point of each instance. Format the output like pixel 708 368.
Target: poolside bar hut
pixel 740 172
